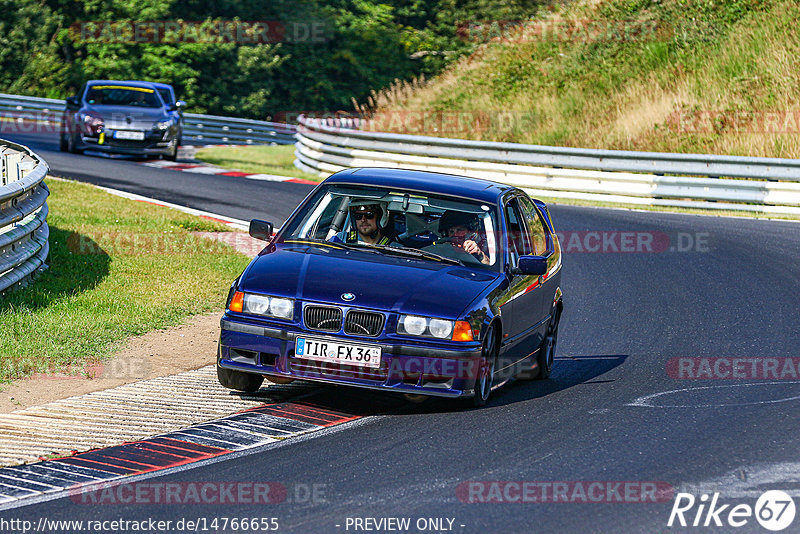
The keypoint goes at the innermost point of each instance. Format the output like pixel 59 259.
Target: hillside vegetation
pixel 698 76
pixel 248 58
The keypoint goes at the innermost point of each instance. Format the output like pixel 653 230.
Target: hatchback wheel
pixel 72 145
pixel 173 154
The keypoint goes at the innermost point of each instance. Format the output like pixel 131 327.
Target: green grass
pixel 277 159
pixel 118 268
pixel 738 60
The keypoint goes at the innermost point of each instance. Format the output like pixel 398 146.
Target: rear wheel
pixel 547 352
pixel 238 380
pixel 486 368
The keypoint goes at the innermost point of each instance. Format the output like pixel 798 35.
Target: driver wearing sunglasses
pixel 366 228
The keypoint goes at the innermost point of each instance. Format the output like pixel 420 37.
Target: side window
pixel 518 244
pixel 536 227
pixel 165 96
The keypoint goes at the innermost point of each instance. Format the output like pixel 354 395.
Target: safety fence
pixel 768 185
pixel 23 215
pixel 31 114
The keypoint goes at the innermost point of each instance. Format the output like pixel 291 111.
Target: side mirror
pixel 72 102
pixel 261 230
pixel 532 265
pixel 180 104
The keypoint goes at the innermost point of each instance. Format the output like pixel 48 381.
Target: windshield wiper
pixel 406 251
pixel 336 244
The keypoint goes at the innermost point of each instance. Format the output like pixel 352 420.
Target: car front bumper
pixel 405 368
pixel 150 146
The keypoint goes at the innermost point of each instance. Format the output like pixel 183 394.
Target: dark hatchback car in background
pixel 123 117
pixel 418 314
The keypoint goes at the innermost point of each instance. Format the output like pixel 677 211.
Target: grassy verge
pixel 278 159
pixel 118 268
pixel 672 76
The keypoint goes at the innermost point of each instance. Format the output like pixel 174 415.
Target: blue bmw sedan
pixel 397 280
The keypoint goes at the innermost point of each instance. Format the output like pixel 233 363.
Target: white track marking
pixel 644 401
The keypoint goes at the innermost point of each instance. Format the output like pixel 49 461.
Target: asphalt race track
pixel 617 408
pixel 249 199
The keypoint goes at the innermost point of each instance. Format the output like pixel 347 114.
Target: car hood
pixel 116 117
pixel 378 281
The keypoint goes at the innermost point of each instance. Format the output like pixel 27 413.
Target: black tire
pixel 485 379
pixel 238 380
pixel 62 143
pixel 72 145
pixel 173 155
pixel 547 351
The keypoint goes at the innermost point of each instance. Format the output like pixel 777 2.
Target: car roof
pixel 124 83
pixel 431 182
pixel 158 85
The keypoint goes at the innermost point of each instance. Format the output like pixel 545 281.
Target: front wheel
pixel 247 382
pixel 172 155
pixel 72 145
pixel 486 367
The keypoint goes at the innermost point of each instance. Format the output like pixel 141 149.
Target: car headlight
pixel 277 307
pixel 439 328
pixel 414 325
pixel 163 125
pixel 92 124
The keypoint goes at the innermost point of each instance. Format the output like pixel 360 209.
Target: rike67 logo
pixel 774 510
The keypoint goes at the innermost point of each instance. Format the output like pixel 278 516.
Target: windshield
pixel 119 95
pixel 397 222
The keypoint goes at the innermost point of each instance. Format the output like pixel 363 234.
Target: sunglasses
pixel 368 214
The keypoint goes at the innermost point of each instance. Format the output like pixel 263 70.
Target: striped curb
pixel 247 429
pixel 202 168
pixel 125 413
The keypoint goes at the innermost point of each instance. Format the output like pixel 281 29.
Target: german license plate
pixel 325 350
pixel 126 134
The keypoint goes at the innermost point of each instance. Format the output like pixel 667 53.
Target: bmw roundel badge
pixel 348 296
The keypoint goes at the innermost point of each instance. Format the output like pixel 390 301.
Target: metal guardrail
pixel 323 148
pixel 205 129
pixel 24 232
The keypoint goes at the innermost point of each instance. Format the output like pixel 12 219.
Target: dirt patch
pixel 159 353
